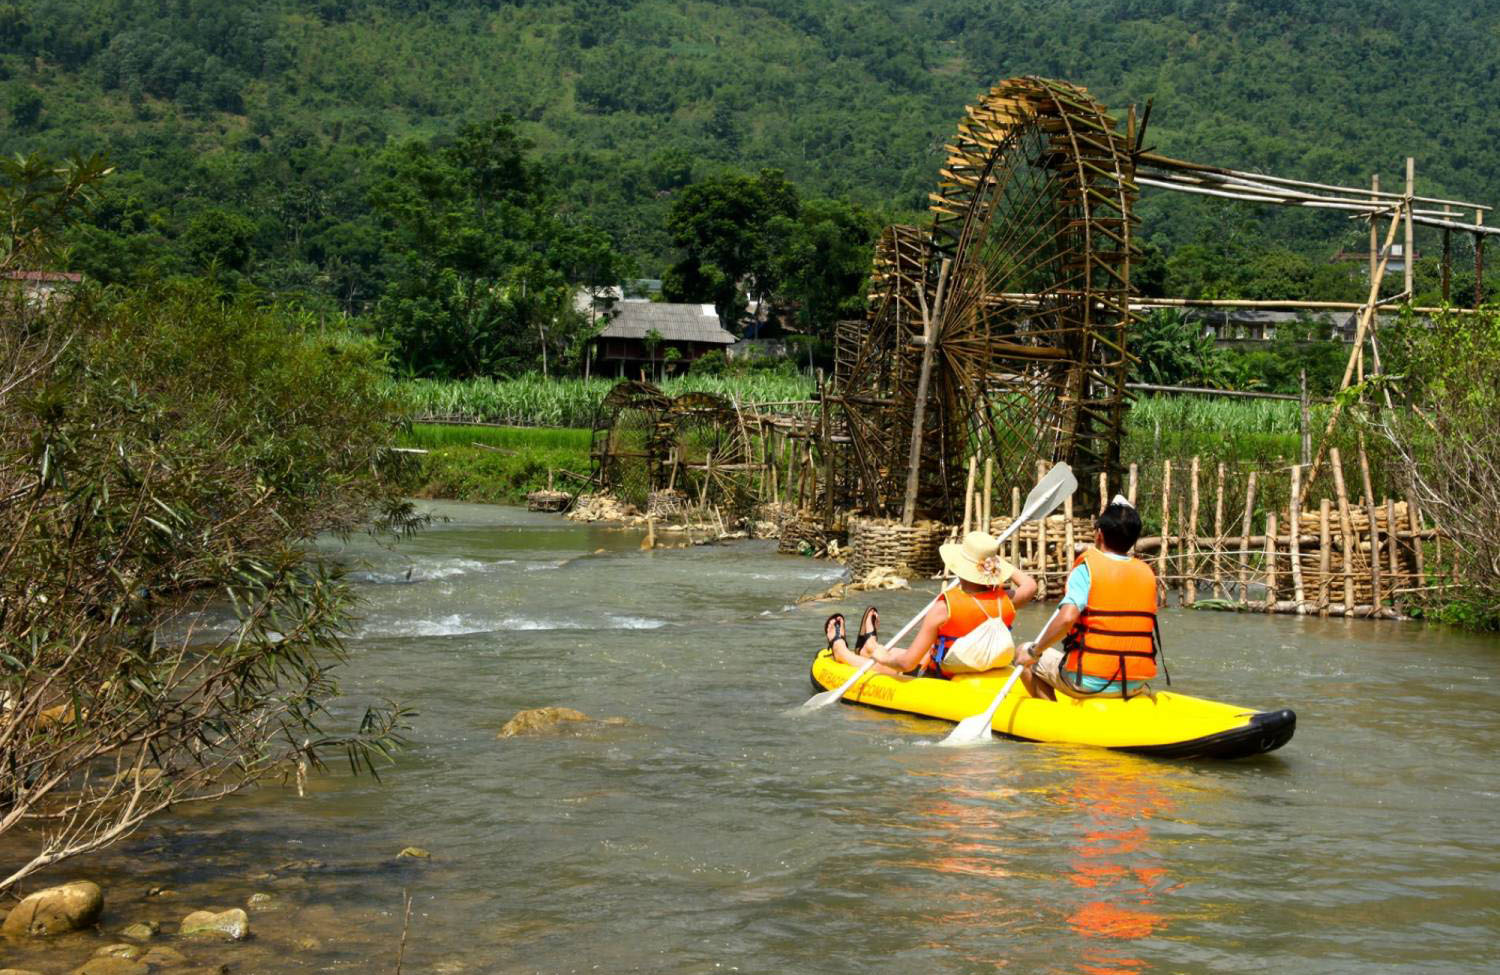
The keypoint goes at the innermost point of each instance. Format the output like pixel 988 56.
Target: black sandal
pixel 837 619
pixel 874 631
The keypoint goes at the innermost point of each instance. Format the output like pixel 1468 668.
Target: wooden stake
pixel 1414 519
pixel 1244 578
pixel 1270 561
pixel 1408 255
pixel 1294 510
pixel 1192 534
pixel 1130 493
pixel 1305 421
pixel 1103 491
pixel 1166 523
pixel 1041 557
pixel 1068 553
pixel 989 480
pixel 1218 559
pixel 1346 528
pixel 1393 582
pixel 1325 555
pixel 1181 543
pixel 969 495
pixel 1015 537
pixel 1364 473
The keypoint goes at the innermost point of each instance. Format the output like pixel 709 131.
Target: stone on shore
pixel 112 966
pixel 141 931
pixel 230 925
pixel 56 910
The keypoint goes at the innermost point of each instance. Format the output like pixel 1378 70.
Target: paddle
pixel 976 727
pixel 1043 499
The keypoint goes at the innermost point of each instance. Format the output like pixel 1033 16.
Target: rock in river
pixel 538 720
pixel 55 910
pixel 112 966
pixel 231 925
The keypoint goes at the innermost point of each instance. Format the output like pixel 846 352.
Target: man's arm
pixel 1057 627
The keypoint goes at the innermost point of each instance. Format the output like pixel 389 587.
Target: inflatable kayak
pixel 1165 724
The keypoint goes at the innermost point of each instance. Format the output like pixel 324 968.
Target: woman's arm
pixel 1025 589
pixel 905 660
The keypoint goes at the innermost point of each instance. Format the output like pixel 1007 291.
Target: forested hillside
pixel 252 135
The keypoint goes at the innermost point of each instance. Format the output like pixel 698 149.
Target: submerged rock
pixel 262 902
pixel 231 925
pixel 415 853
pixel 163 957
pixel 120 951
pixel 112 966
pixel 141 931
pixel 538 720
pixel 56 910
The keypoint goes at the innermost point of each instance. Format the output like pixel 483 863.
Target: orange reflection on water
pixel 1113 861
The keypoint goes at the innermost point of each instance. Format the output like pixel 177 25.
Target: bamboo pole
pixel 1015 536
pixel 1041 557
pixel 1364 473
pixel 989 480
pixel 1068 552
pixel 919 411
pixel 1270 561
pixel 1294 511
pixel 1192 534
pixel 827 445
pixel 1130 493
pixel 1394 581
pixel 1414 520
pixel 1103 491
pixel 1346 527
pixel 1374 234
pixel 1181 542
pixel 1305 421
pixel 1218 558
pixel 969 494
pixel 1166 522
pixel 1325 555
pixel 1246 526
pixel 1409 255
pixel 1365 319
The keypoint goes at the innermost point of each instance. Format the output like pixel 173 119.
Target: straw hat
pixel 977 559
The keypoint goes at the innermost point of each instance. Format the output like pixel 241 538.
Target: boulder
pixel 537 720
pixel 112 966
pixel 141 931
pixel 230 925
pixel 70 907
pixel 163 957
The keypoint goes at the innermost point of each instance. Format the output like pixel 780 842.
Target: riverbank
pixel 496 464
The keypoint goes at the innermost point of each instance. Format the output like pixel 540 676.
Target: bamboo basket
pixel 879 542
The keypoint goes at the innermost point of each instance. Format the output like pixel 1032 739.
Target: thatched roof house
pixel 624 346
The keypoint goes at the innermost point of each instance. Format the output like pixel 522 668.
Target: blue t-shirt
pixel 1077 592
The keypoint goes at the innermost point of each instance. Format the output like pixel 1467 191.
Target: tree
pixel 824 263
pixel 24 106
pixel 731 228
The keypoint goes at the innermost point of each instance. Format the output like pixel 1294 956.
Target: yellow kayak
pixel 1165 723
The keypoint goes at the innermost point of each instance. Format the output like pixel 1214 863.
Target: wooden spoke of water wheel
pixel 1033 217
pixel 1034 209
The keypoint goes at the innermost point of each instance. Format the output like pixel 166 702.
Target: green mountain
pixel 249 132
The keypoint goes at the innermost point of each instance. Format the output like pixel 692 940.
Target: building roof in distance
pixel 632 319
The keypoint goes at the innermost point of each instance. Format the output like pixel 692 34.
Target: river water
pixel 712 831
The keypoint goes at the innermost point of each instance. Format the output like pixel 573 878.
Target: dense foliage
pixel 1448 445
pixel 253 135
pixel 164 635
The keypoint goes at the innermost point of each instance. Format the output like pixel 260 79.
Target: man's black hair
pixel 1120 524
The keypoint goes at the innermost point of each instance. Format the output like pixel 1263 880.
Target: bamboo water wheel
pixel 1014 302
pixel 645 441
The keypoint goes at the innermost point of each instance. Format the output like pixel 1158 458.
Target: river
pixel 712 831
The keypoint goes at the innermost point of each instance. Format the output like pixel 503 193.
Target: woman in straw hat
pixel 980 595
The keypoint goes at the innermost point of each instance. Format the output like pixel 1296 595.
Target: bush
pixel 165 636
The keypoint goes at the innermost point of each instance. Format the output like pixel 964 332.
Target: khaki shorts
pixel 1048 666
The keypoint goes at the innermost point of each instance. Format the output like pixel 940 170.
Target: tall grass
pixel 433 436
pixel 536 402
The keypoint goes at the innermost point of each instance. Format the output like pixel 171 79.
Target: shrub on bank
pixel 165 635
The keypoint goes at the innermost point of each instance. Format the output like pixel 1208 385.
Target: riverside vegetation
pixel 166 634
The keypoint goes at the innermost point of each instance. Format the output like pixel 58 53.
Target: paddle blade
pixel 828 697
pixel 976 728
pixel 1049 492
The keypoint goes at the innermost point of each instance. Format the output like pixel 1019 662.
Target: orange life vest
pixel 967 612
pixel 1115 636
